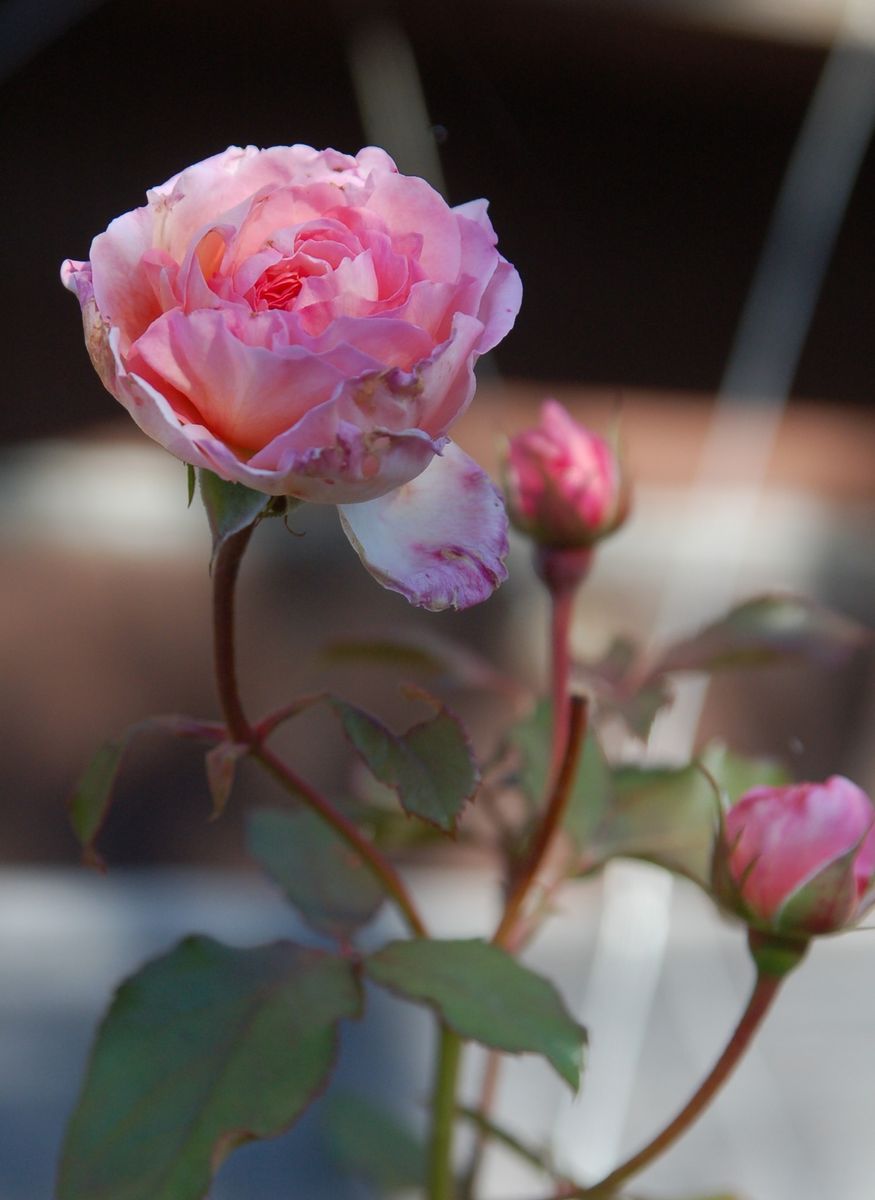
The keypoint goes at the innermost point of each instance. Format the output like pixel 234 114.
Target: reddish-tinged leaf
pixel 92 797
pixel 766 630
pixel 483 993
pixel 323 877
pixel 203 1049
pixel 431 767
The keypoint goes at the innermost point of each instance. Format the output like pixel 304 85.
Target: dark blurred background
pixel 632 155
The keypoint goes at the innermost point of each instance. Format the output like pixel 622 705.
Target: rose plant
pixel 302 326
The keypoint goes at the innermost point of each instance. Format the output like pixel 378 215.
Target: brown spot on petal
pixel 97 344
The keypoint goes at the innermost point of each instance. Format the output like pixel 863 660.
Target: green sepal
pixel 231 507
pixel 775 956
pixel 823 904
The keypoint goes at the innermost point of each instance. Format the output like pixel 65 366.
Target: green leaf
pixel 670 815
pixel 483 993
pixel 231 507
pixel 735 775
pixel 430 654
pixel 202 1050
pixel 766 630
pixel 92 797
pixel 431 767
pixel 91 800
pixel 191 476
pixel 325 880
pixel 666 816
pixel 371 1142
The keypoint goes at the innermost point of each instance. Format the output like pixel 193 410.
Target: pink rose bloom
pixel 306 323
pixel 801 858
pixel 563 482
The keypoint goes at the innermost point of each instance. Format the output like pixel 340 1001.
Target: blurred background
pixel 687 191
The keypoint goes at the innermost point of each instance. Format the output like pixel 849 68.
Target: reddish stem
pixel 764 992
pixel 550 822
pixel 226 567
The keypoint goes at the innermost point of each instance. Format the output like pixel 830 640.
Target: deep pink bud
pixel 798 860
pixel 563 482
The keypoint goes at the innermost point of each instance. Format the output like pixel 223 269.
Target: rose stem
pixel 225 569
pixel 226 566
pixel 550 823
pixel 562 609
pixel 764 992
pixel 568 733
pixel 443 1116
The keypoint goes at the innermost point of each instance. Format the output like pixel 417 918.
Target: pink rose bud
pixel 798 860
pixel 306 323
pixel 564 484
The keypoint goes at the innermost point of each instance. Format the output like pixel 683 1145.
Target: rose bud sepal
pixel 775 956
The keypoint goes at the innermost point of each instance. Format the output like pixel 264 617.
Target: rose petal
pixel 210 188
pixel 122 291
pixel 329 460
pixel 440 540
pixel 446 380
pixel 246 394
pixel 500 304
pixel 409 205
pixel 783 837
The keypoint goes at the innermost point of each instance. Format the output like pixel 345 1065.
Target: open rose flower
pixel 798 860
pixel 306 323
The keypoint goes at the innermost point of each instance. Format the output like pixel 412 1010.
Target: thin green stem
pixel 764 992
pixel 441 1184
pixel 226 568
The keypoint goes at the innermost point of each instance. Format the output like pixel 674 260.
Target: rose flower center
pixel 277 287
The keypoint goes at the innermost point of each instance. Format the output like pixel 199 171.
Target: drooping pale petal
pixel 440 540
